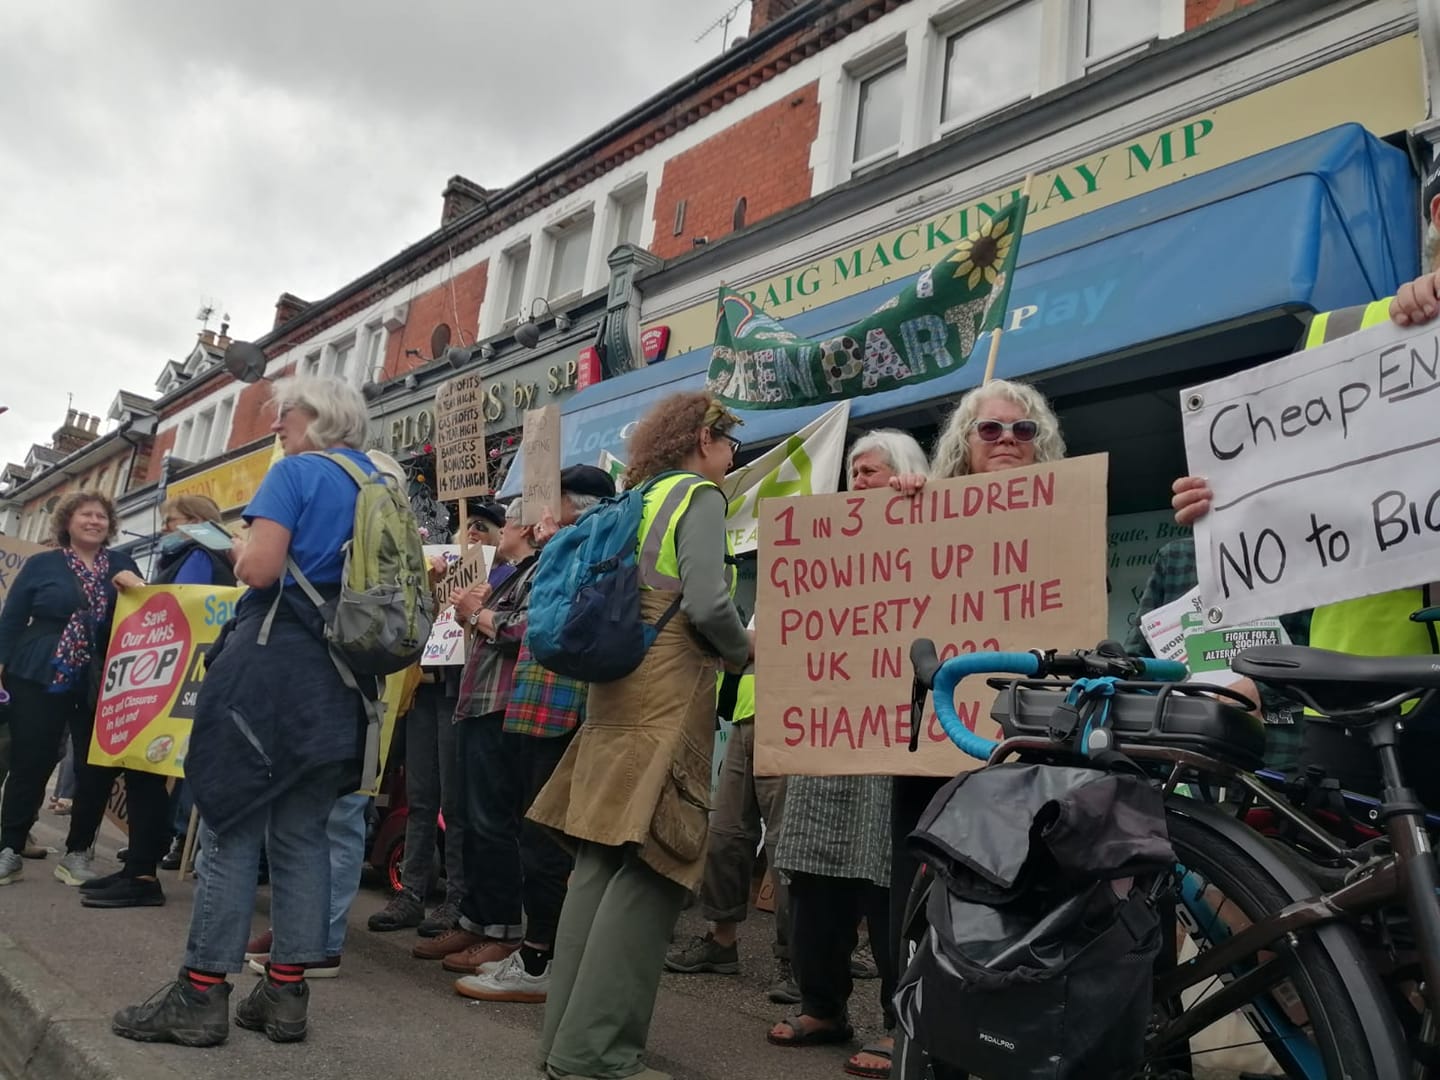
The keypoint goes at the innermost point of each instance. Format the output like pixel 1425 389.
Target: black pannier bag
pixel 1043 928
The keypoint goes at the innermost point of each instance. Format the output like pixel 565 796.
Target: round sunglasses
pixel 991 430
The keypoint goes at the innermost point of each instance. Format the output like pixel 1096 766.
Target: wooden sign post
pixel 540 444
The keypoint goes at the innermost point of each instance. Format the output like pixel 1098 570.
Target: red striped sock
pixel 204 981
pixel 285 974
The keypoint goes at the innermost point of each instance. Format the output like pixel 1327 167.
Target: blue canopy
pixel 1316 224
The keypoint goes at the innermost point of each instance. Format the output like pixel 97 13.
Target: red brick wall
pixel 428 310
pixel 164 443
pixel 1199 12
pixel 252 419
pixel 764 158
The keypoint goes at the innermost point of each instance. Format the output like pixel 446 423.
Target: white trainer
pixel 77 867
pixel 509 982
pixel 12 866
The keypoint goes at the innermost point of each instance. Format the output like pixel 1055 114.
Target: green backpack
pixel 384 613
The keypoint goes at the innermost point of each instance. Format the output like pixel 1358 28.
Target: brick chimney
pixel 73 434
pixel 765 12
pixel 461 197
pixel 287 307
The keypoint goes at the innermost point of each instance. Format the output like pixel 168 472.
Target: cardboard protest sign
pixel 540 443
pixel 13 555
pixel 1006 561
pixel 153 672
pixel 446 646
pixel 807 463
pixel 1322 465
pixel 460 467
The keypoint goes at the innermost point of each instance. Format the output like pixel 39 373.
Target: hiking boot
pixel 481 957
pixel 509 981
pixel 704 954
pixel 12 867
pixel 178 1013
pixel 77 867
pixel 404 910
pixel 443 918
pixel 279 1011
pixel 862 963
pixel 171 859
pixel 784 990
pixel 258 947
pixel 447 944
pixel 124 891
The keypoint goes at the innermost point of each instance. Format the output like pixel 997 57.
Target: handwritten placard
pixel 1323 469
pixel 1007 561
pixel 460 471
pixel 13 555
pixel 540 447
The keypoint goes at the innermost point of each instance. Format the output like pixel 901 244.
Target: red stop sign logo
pixel 148 656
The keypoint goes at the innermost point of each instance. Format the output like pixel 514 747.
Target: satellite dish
pixel 246 361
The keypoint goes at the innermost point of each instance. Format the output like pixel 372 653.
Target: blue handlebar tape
pixel 1162 670
pixel 948 678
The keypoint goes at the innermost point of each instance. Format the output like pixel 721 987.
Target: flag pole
pixel 996 333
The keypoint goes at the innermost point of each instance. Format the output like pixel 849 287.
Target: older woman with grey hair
pixel 834 849
pixel 277 735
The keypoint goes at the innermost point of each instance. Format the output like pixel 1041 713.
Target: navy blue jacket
pixel 40 602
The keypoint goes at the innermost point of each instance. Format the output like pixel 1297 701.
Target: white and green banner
pixel 807 463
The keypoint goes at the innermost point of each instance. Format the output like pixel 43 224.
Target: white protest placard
pixel 1004 562
pixel 1323 469
pixel 13 555
pixel 446 645
pixel 807 463
pixel 540 447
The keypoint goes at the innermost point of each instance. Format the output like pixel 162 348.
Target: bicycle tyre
pixel 1339 1034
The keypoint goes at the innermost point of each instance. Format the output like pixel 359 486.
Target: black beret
pixel 587 480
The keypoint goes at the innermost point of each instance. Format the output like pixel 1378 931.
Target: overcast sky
pixel 158 154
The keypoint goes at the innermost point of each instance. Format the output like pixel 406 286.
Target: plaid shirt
pixel 490 667
pixel 1172 576
pixel 543 703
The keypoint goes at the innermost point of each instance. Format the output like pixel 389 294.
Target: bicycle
pixel 1330 953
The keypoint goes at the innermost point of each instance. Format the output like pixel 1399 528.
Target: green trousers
pixel 609 952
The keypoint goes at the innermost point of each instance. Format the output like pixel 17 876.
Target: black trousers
pixel 510 862
pixel 912 796
pixel 38 722
pixel 824 913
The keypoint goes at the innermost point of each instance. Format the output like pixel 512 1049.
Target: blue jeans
pixel 294 827
pixel 346 829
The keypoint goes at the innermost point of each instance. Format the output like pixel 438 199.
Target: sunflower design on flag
pixel 981 254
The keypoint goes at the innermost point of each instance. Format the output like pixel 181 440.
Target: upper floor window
pixel 880 109
pixel 1113 27
pixel 225 411
pixel 569 254
pixel 629 215
pixel 342 360
pixel 310 365
pixel 992 64
pixel 374 350
pixel 517 267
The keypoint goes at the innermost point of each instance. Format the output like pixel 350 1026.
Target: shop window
pixel 517 267
pixel 880 109
pixel 1115 27
pixel 570 250
pixel 992 64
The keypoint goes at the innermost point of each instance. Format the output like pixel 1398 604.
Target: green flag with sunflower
pixel 927 330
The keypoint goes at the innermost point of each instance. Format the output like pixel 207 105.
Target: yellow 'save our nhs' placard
pixel 153 671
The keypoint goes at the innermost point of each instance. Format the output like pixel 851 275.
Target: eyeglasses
pixel 735 443
pixel 991 430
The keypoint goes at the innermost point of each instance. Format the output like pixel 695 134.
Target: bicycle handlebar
pixel 944 677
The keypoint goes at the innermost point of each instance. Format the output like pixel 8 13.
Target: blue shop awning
pixel 1317 224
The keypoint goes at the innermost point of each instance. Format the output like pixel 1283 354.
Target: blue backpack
pixel 585 602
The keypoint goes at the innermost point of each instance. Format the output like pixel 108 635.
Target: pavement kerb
pixel 49 1032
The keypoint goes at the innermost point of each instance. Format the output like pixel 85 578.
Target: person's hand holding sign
pixel 127 579
pixel 1192 499
pixel 1416 301
pixel 469 601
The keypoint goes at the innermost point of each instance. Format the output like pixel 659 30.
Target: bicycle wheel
pixel 1306 1025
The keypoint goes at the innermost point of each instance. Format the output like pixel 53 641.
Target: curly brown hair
pixel 671 431
pixel 60 523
